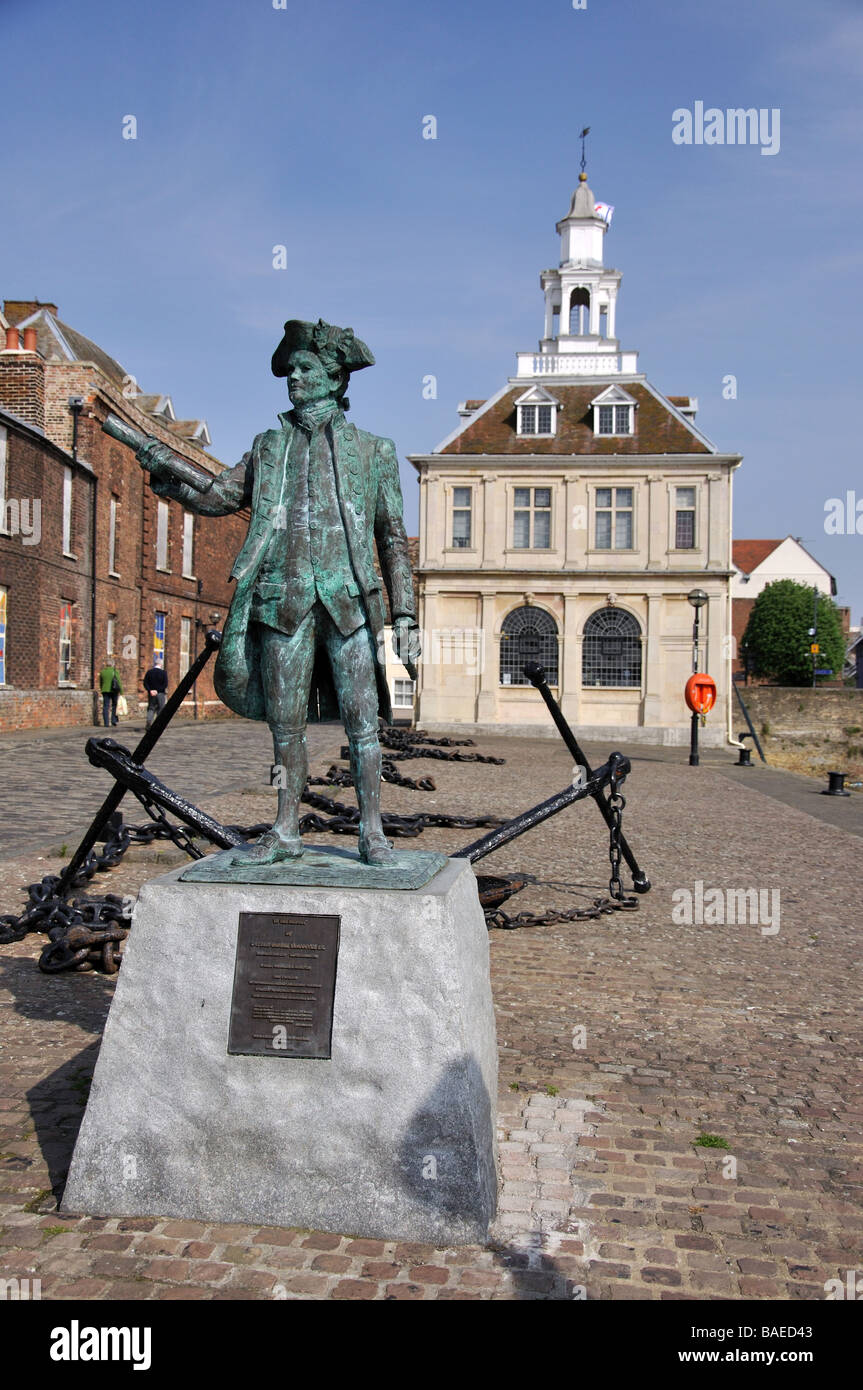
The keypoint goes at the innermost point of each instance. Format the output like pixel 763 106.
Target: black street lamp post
pixel 698 598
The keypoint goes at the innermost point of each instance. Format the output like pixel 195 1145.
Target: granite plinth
pixel 393 1137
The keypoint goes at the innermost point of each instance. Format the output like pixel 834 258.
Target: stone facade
pixel 567 518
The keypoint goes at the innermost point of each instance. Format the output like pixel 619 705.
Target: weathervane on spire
pixel 583 137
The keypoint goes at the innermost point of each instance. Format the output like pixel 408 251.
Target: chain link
pixel 87 933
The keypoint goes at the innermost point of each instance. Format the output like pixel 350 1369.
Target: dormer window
pixel 537 413
pixel 614 412
pixel 615 419
pixel 535 419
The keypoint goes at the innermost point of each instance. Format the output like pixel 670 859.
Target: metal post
pixel 151 737
pixel 536 676
pixel 693 734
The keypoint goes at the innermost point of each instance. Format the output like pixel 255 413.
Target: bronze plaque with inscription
pixel 284 985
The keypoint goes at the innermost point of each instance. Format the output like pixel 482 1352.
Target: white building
pixel 567 517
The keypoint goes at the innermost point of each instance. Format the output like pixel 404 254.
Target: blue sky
pixel 302 127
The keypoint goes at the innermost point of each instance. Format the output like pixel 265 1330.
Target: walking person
pixel 156 684
pixel 110 688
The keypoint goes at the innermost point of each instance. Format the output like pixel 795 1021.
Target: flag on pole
pixel 605 211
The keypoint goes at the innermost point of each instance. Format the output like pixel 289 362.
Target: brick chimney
pixel 22 379
pixel 17 309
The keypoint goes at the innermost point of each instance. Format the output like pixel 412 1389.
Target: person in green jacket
pixel 110 687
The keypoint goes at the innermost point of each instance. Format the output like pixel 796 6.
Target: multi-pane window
pixel 3 479
pixel 527 634
pixel 67 510
pixel 188 544
pixel 614 419
pixel 532 518
pixel 66 644
pixel 185 645
pixel 535 419
pixel 684 518
pixel 162 535
pixel 159 639
pixel 112 536
pixel 110 636
pixel 403 694
pixel 461 517
pixel 3 598
pixel 614 518
pixel 611 650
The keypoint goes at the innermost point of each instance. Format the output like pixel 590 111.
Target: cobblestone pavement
pixel 50 791
pixel 622 1040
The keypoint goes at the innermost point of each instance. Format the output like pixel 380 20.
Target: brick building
pixel 160 573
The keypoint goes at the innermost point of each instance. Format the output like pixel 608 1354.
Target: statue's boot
pixel 282 840
pixel 365 756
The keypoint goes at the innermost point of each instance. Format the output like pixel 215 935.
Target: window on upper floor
pixel 535 419
pixel 188 544
pixel 613 412
pixel 536 413
pixel 462 517
pixel 67 511
pixel 614 512
pixel 4 481
pixel 110 635
pixel 112 535
pixel 614 419
pixel 531 529
pixel 684 518
pixel 162 515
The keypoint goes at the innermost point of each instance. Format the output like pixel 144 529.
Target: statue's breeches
pixel 287 664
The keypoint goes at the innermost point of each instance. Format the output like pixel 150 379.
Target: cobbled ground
pixel 622 1040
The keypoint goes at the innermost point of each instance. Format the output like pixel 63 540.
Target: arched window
pixel 611 651
pixel 579 313
pixel 527 634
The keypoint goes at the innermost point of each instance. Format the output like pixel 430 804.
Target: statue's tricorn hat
pixel 326 341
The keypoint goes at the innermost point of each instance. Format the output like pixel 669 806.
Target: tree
pixel 776 641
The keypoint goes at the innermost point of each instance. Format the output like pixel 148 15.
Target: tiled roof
pixel 748 555
pixel 657 429
pixel 81 349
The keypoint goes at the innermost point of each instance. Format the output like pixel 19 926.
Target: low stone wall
pixel 41 709
pixel 57 709
pixel 792 711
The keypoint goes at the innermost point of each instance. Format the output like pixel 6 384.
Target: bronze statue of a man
pixel 303 635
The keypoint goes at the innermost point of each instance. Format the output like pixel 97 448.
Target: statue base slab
pixel 391 1137
pixel 326 866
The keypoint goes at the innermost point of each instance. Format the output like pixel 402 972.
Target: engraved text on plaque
pixel 284 985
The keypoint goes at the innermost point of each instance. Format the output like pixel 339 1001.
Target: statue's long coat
pixel 367 480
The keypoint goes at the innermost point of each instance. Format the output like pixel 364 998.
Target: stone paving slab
pixel 622 1040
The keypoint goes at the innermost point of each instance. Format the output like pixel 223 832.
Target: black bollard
pixel 836 785
pixel 744 758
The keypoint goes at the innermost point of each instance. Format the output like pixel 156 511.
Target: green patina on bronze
pixel 322 866
pixel 304 635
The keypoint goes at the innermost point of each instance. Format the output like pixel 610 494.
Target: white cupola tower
pixel 580 334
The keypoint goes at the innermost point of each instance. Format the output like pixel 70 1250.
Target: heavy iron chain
pixel 87 933
pixel 616 802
